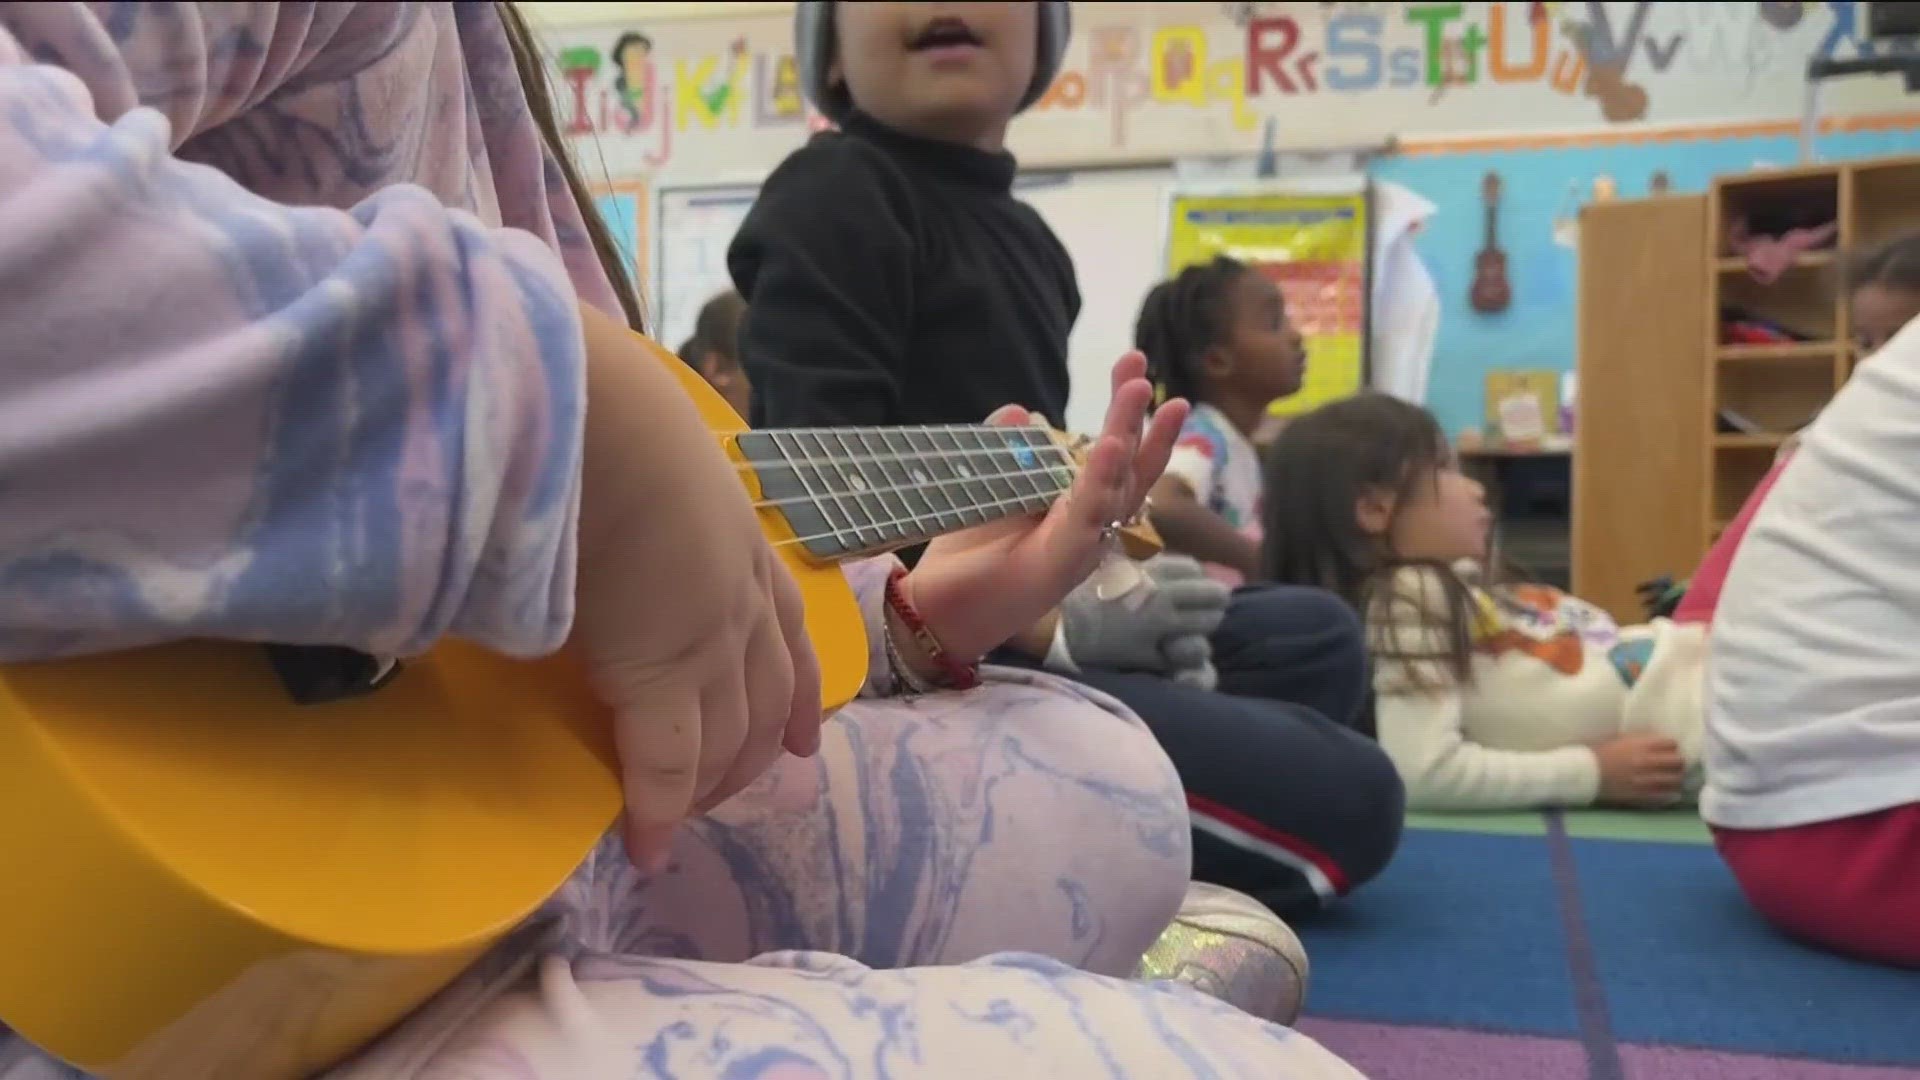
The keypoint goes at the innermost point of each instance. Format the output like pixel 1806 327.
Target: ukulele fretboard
pixel 854 491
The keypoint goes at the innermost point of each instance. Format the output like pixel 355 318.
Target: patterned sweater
pixel 1551 675
pixel 346 354
pixel 1222 469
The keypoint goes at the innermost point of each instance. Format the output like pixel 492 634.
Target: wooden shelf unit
pixel 1637 465
pixel 1780 388
pixel 1655 480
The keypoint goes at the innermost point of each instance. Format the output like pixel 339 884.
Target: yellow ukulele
pixel 222 861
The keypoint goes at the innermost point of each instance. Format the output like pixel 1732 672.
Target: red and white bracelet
pixel 954 675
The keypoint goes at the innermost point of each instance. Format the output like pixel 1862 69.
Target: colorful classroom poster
pixel 1314 246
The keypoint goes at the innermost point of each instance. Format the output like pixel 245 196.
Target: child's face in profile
pixel 949 71
pixel 1443 518
pixel 1268 356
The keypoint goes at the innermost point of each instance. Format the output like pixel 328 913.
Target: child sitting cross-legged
pixel 1813 700
pixel 1488 696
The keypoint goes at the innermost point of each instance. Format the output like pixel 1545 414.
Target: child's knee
pixel 1101 736
pixel 1138 813
pixel 1122 759
pixel 1287 634
pixel 1375 815
pixel 1344 640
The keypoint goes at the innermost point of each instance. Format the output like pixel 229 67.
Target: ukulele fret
pixel 1041 465
pixel 869 474
pixel 854 491
pixel 802 489
pixel 968 485
pixel 910 454
pixel 948 479
pixel 910 507
pixel 849 485
pixel 997 467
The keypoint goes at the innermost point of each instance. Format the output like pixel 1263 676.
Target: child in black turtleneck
pixel 891 276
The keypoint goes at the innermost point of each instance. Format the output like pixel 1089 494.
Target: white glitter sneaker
pixel 1230 946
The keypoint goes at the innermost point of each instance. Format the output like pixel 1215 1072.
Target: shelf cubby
pixel 1776 388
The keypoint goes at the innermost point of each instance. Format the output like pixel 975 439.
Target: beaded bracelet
pixel 954 675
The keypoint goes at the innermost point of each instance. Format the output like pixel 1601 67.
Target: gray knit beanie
pixel 813 51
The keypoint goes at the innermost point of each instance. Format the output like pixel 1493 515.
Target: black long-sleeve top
pixel 896 280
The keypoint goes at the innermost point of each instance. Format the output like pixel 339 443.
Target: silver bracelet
pixel 905 679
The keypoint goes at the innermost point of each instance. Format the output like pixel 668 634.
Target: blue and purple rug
pixel 1589 946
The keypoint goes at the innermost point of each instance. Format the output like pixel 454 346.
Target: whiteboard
pixel 1112 223
pixel 693 224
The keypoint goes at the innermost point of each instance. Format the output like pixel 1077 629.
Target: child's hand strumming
pixel 691 629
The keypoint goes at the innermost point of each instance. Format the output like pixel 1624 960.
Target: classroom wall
pixel 663 95
pixel 1543 190
pixel 716 98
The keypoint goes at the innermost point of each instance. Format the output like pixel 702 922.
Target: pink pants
pixel 988 867
pixel 811 1016
pixel 1851 885
pixel 1703 592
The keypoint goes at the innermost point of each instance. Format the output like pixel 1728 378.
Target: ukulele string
pixel 1043 469
pixel 1008 506
pixel 895 489
pixel 940 455
pixel 999 507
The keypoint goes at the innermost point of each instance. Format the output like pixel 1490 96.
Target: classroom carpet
pixel 1588 945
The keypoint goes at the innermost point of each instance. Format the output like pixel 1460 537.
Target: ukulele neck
pixel 852 492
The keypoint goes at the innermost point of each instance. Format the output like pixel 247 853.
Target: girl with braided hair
pixel 1217 335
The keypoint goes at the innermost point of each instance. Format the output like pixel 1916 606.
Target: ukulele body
pixel 1491 292
pixel 201 880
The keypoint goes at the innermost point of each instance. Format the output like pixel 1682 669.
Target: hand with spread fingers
pixel 978 588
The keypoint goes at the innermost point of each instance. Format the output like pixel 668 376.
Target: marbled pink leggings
pixel 971 858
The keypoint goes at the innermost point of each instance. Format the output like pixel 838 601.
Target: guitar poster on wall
pixel 1313 239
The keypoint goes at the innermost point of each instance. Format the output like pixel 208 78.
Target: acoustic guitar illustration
pixel 1491 292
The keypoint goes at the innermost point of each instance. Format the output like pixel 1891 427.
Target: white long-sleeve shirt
pixel 1551 675
pixel 1813 690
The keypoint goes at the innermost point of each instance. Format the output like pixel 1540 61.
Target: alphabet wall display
pixel 1155 80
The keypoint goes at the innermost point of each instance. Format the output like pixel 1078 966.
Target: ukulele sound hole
pixel 321 674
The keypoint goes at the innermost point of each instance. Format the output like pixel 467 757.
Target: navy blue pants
pixel 1291 804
